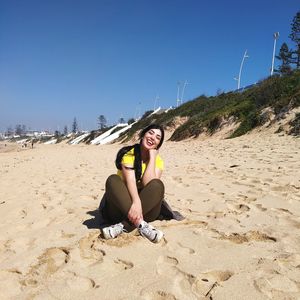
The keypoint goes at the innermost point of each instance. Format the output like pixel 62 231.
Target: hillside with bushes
pixel 267 101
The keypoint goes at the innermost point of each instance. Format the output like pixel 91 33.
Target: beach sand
pixel 240 238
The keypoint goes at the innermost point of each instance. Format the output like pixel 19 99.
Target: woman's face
pixel 151 139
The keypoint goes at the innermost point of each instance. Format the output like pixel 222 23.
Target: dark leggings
pixel 118 200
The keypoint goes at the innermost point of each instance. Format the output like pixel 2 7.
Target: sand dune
pixel 240 238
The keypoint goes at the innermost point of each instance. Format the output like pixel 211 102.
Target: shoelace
pixel 117 228
pixel 149 232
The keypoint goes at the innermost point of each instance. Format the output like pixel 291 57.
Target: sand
pixel 240 238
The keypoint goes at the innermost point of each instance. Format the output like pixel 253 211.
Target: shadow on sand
pixel 96 222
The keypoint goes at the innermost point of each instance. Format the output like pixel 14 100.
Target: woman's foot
pixel 148 231
pixel 112 231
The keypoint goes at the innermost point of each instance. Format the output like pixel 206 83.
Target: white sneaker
pixel 148 231
pixel 112 231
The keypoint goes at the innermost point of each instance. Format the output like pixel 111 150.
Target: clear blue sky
pixel 61 59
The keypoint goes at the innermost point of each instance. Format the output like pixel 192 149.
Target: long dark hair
pixel 137 151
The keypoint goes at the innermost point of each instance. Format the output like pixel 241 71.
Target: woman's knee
pixel 111 181
pixel 156 184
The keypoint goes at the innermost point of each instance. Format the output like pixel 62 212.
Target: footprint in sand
pixel 80 283
pixel 124 264
pixel 90 248
pixel 185 249
pixel 260 207
pixel 205 283
pixel 157 295
pixel 255 181
pixel 276 285
pixel 238 208
pixel 166 264
pixel 65 235
pixel 180 282
pixel 68 285
pixel 179 182
pixel 215 215
pixel 6 246
pixel 52 260
pixel 10 284
pixel 23 213
pixel 188 201
pixel 284 210
pixel 242 207
pixel 240 238
pixel 248 199
pixel 217 275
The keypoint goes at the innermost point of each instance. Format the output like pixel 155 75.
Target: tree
pixel 121 120
pixel 18 130
pixel 146 114
pixel 219 92
pixel 24 129
pixel 57 134
pixel 66 130
pixel 131 120
pixel 102 122
pixel 74 126
pixel 9 131
pixel 285 58
pixel 295 37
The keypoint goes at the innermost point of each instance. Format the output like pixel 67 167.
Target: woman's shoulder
pixel 130 152
pixel 127 150
pixel 128 157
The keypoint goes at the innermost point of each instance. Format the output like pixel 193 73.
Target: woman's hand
pixel 135 214
pixel 153 153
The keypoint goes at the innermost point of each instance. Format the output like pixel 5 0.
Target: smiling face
pixel 151 139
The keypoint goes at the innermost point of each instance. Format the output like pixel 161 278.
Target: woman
pixel 136 193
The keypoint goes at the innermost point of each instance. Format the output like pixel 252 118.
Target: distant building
pixel 35 133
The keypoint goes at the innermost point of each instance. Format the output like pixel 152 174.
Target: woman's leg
pixel 118 203
pixel 118 200
pixel 151 197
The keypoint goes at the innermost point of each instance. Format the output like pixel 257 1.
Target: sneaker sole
pixel 158 237
pixel 106 234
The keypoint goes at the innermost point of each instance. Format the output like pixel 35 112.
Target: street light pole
pixel 240 72
pixel 137 114
pixel 276 36
pixel 155 102
pixel 183 89
pixel 178 99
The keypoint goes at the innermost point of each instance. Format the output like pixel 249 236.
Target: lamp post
pixel 137 114
pixel 276 36
pixel 240 72
pixel 155 102
pixel 183 89
pixel 178 99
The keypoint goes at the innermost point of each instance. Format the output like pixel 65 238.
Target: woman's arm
pixel 151 171
pixel 135 214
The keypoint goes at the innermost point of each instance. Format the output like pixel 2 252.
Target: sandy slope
pixel 240 238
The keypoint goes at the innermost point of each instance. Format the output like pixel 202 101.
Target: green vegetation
pixel 290 57
pixel 205 114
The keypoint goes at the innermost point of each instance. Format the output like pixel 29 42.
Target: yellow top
pixel 128 160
